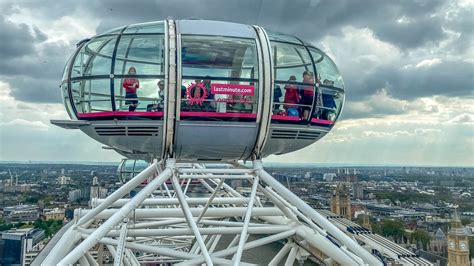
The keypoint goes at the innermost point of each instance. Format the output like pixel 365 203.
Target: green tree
pixel 393 228
pixel 421 236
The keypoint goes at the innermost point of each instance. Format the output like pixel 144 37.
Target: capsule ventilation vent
pixel 295 134
pixel 127 131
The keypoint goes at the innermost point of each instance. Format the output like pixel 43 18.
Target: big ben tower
pixel 458 243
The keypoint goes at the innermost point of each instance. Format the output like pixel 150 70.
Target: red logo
pixel 196 93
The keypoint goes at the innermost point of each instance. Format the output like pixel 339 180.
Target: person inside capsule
pixel 307 94
pixel 292 98
pixel 159 105
pixel 131 85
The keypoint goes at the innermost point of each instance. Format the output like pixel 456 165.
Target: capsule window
pixel 145 53
pixel 95 57
pixel 149 27
pixel 139 95
pixel 219 78
pixel 328 75
pixel 91 96
pixel 294 90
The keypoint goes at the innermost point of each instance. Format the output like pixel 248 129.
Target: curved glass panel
pixel 219 78
pixel 95 57
pixel 113 31
pixel 276 36
pixel 66 101
pixel 149 27
pixel 92 96
pixel 145 53
pixel 66 69
pixel 139 96
pixel 293 93
pixel 328 105
pixel 328 75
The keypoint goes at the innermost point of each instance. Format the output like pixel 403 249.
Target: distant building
pixel 64 180
pixel 20 213
pixel 329 177
pixel 341 201
pixel 458 243
pixel 20 246
pixel 103 193
pixel 358 190
pixel 75 195
pixel 53 214
pixel 438 244
pixel 94 192
pixel 366 221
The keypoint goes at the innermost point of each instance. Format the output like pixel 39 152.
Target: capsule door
pixel 218 90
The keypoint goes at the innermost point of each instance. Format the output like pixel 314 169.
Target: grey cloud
pixel 300 17
pixel 448 78
pixel 35 90
pixel 16 40
pixel 310 20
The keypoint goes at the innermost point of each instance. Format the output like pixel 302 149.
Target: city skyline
pixel 408 71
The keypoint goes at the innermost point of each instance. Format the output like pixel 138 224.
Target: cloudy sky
pixel 408 68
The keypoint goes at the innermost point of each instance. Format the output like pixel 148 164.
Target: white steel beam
pixel 203 231
pixel 315 216
pixel 248 215
pixel 190 219
pixel 211 198
pixel 281 254
pixel 170 201
pixel 177 212
pixel 119 193
pixel 100 232
pixel 253 244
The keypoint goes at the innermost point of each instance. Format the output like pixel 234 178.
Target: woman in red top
pixel 131 85
pixel 292 96
pixel 307 94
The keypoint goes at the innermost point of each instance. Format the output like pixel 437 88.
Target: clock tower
pixel 458 243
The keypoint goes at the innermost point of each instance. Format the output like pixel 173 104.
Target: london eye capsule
pixel 200 90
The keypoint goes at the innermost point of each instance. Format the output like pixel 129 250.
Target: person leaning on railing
pixel 307 93
pixel 292 97
pixel 131 85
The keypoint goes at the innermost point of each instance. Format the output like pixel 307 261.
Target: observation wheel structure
pixel 192 98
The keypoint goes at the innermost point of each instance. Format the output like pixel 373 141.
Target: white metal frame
pixel 168 225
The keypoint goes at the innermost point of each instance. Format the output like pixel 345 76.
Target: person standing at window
pixel 307 94
pixel 292 97
pixel 131 85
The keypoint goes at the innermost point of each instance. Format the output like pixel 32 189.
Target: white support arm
pixel 90 241
pixel 315 216
pixel 189 218
pixel 248 215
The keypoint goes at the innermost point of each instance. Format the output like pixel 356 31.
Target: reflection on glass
pixel 148 27
pixel 145 53
pixel 276 36
pixel 94 57
pixel 219 57
pixel 290 60
pixel 328 75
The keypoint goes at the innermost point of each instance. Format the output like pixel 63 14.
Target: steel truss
pixel 165 222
